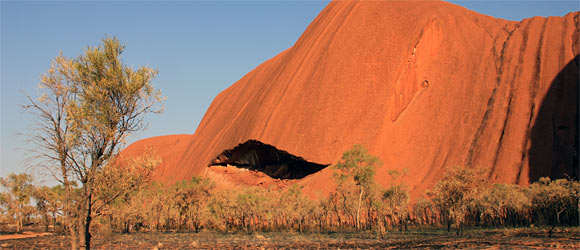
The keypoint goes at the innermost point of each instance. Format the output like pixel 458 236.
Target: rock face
pixel 169 148
pixel 423 85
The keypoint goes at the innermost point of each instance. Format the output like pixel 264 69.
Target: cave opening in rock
pixel 276 163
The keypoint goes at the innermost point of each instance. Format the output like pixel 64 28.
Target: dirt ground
pixel 564 238
pixel 25 234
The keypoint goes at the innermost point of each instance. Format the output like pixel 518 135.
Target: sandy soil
pixel 23 235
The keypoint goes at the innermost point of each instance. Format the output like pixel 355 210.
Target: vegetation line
pixel 462 199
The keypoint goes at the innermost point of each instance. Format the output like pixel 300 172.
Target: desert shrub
pixel 295 208
pixel 15 198
pixel 251 206
pixel 456 194
pixel 354 175
pixel 396 200
pixel 553 202
pixel 503 204
pixel 191 198
pixel 222 208
pixel 423 211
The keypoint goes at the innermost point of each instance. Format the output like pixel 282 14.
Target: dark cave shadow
pixel 554 135
pixel 276 163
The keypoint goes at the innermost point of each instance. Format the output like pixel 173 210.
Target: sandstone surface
pixel 424 85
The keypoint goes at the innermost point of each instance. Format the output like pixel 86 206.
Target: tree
pixel 88 107
pixel 357 167
pixel 52 136
pixel 454 194
pixel 223 209
pixel 117 184
pixel 4 208
pixel 251 204
pixel 321 212
pixel 155 203
pixel 19 190
pixel 503 202
pixel 551 199
pixel 41 196
pixel 396 200
pixel 423 210
pixel 574 189
pixel 55 198
pixel 295 207
pixel 191 198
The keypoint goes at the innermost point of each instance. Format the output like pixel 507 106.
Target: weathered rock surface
pixel 169 148
pixel 423 85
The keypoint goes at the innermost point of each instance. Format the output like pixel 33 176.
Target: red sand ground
pixel 23 235
pixel 424 85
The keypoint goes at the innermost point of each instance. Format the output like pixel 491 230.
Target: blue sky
pixel 199 48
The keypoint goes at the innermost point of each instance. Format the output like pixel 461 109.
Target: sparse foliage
pixel 552 200
pixel 355 170
pixel 503 203
pixel 125 201
pixel 16 197
pixel 423 209
pixel 396 200
pixel 87 108
pixel 456 192
pixel 191 199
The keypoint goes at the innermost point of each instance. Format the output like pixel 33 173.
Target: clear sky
pixel 199 47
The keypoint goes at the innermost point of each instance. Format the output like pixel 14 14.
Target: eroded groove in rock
pixel 491 100
pixel 533 93
pixel 518 72
pixel 276 163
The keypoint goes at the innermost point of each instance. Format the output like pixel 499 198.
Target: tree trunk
pixel 81 228
pixel 551 230
pixel 88 220
pixel 54 221
pixel 358 209
pixel 74 239
pixel 85 218
pixel 19 218
pixel 69 218
pixel 385 224
pixel 448 224
pixel 244 223
pixel 19 225
pixel 46 222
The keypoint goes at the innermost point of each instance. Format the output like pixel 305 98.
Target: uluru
pixel 423 85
